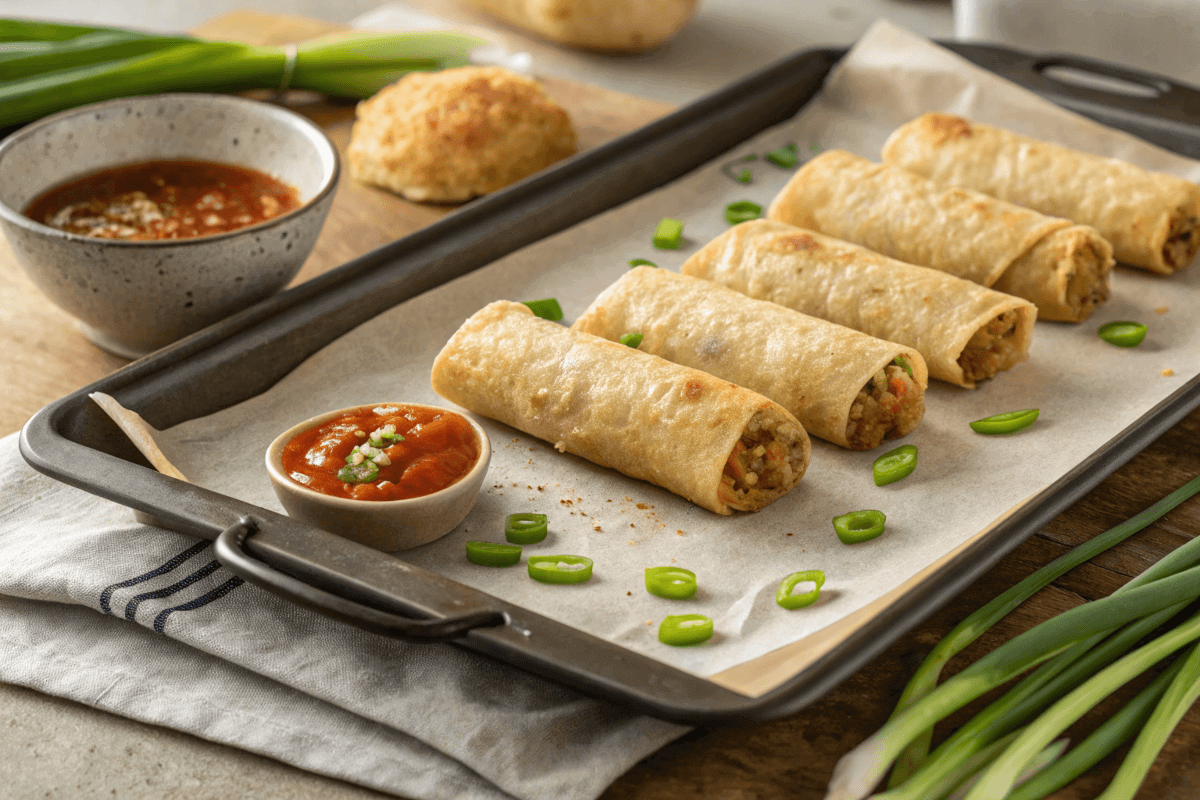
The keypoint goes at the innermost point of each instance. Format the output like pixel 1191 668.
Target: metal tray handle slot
pixel 228 549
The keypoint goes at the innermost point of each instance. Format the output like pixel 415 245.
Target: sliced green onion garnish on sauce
pixel 902 363
pixel 546 309
pixel 525 528
pixel 493 554
pixel 631 339
pixel 673 583
pixel 1123 334
pixel 895 464
pixel 784 596
pixel 859 526
pixel 681 630
pixel 742 211
pixel 365 472
pixel 669 234
pixel 560 569
pixel 785 157
pixel 1008 422
pixel 641 262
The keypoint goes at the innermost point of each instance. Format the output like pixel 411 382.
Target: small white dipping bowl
pixel 131 297
pixel 386 525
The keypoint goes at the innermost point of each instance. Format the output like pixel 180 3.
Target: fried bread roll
pixel 1060 267
pixel 628 26
pixel 1151 219
pixel 841 384
pixel 965 332
pixel 721 446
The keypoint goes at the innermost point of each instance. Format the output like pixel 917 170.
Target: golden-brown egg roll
pixel 844 386
pixel 1151 219
pixel 721 446
pixel 966 332
pixel 1061 267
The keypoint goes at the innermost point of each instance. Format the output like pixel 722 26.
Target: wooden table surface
pixel 43 357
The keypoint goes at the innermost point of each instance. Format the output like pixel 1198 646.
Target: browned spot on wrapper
pixel 800 241
pixel 944 127
pixel 694 390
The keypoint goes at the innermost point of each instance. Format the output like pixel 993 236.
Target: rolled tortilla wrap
pixel 840 384
pixel 1060 267
pixel 964 331
pixel 721 446
pixel 1151 219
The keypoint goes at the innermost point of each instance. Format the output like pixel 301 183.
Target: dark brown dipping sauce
pixel 164 200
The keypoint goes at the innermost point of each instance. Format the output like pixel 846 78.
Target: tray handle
pixel 1125 84
pixel 229 550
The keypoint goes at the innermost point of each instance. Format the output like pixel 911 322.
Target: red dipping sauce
pixel 437 450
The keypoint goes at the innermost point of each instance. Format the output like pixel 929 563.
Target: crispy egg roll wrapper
pixel 813 368
pixel 1151 219
pixel 617 407
pixel 1061 267
pixel 951 322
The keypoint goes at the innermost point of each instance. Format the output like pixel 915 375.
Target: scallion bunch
pixel 1075 660
pixel 47 67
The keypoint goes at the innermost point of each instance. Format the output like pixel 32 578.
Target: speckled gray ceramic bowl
pixel 134 297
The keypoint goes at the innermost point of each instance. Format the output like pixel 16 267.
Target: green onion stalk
pixel 1070 647
pixel 47 67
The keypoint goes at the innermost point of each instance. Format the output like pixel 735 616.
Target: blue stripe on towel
pixel 132 607
pixel 106 595
pixel 225 588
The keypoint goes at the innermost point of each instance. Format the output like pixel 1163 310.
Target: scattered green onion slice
pixel 895 464
pixel 631 339
pixel 641 262
pixel 1008 422
pixel 902 363
pixel 493 554
pixel 668 234
pixel 546 309
pixel 525 528
pixel 785 156
pixel 859 526
pixel 673 583
pixel 743 175
pixel 1123 334
pixel 681 630
pixel 784 596
pixel 365 472
pixel 814 148
pixel 742 211
pixel 560 569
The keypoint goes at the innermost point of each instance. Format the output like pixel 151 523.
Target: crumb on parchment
pixel 1161 310
pixel 1166 373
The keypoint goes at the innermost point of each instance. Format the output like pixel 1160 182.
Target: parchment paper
pixel 1087 391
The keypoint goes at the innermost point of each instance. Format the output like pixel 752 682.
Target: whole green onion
pixel 47 67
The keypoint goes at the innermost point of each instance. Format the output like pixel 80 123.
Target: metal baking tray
pixel 74 441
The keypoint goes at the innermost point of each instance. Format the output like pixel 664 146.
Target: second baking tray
pixel 246 354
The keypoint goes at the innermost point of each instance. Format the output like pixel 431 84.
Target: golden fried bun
pixel 452 135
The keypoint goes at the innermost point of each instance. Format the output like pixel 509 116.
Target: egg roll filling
pixel 993 348
pixel 1076 261
pixel 890 405
pixel 763 464
pixel 1183 240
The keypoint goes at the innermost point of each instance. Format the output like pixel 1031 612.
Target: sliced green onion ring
pixel 743 175
pixel 673 583
pixel 631 339
pixel 493 554
pixel 859 526
pixel 669 234
pixel 560 569
pixel 742 211
pixel 681 630
pixel 525 528
pixel 546 309
pixel 1123 334
pixel 784 596
pixel 814 148
pixel 1008 422
pixel 364 472
pixel 785 157
pixel 895 464
pixel 641 262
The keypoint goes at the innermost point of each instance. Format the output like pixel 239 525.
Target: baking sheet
pixel 1086 389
